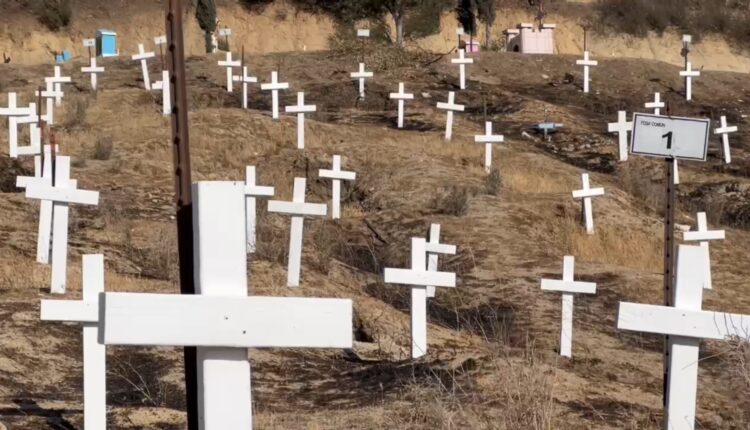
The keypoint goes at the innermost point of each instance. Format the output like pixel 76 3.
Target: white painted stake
pixel 401 96
pixel 337 175
pixel 568 287
pixel 621 127
pixel 704 235
pixel 164 86
pixel 274 86
pixel 298 209
pixel 418 278
pixel 86 311
pixel 586 63
pixel 50 94
pixel 462 61
pixel 93 69
pixel 586 193
pixel 724 131
pixel 689 74
pixel 434 249
pixel 361 74
pixel 58 79
pixel 300 109
pixel 252 192
pixel 450 107
pixel 143 57
pixel 230 64
pixel 245 79
pixel 488 139
pixel 656 105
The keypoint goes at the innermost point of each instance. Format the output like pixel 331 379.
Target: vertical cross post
pixel 434 249
pixel 143 57
pixel 252 192
pixel 401 96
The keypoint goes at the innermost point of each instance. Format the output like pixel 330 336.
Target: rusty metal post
pixel 183 183
pixel 671 199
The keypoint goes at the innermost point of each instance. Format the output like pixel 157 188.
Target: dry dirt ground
pixel 493 360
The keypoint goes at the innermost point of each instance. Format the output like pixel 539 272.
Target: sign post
pixel 364 34
pixel 226 32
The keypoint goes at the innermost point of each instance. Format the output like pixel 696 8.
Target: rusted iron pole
pixel 670 201
pixel 183 183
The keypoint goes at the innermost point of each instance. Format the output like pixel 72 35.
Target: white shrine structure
pixel 527 40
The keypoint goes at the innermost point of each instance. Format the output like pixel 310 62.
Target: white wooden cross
pixel 252 192
pixel 685 324
pixel 274 86
pixel 230 64
pixel 586 63
pixel 586 193
pixel 337 175
pixel 14 111
pixel 462 61
pixel 704 235
pixel 434 248
pixel 568 287
pixel 40 173
pixel 300 109
pixel 298 209
pixel 93 69
pixel 488 139
pixel 35 138
pixel 361 74
pixel 724 131
pixel 86 311
pixel 245 79
pixel 222 321
pixel 143 57
pixel 58 79
pixel 164 86
pixel 450 107
pixel 621 127
pixel 401 96
pixel 689 74
pixel 419 278
pixel 656 105
pixel 61 195
pixel 50 93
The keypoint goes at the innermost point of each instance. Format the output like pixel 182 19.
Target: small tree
pixel 465 13
pixel 205 13
pixel 397 9
pixel 487 12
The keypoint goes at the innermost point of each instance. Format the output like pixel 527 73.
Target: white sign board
pixel 224 32
pixel 89 43
pixel 160 40
pixel 670 137
pixel 363 33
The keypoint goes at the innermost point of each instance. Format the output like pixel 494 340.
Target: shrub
pixel 103 148
pixel 53 14
pixel 453 202
pixel 494 182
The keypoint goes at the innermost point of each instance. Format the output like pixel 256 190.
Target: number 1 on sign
pixel 669 139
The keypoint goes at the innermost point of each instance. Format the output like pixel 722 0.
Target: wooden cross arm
pixel 680 322
pixel 59 80
pixel 144 56
pixel 279 86
pixel 337 174
pixel 248 79
pixel 70 310
pixel 691 73
pixel 24 181
pixel 420 279
pixel 613 127
pixel 65 195
pixel 592 192
pixel 399 96
pixel 462 60
pixel 297 208
pixel 483 138
pixel 727 129
pixel 240 322
pixel 449 106
pixel 568 286
pixel 587 62
pixel 98 69
pixel 259 191
pixel 224 63
pixel 440 248
pixel 300 109
pixel 691 236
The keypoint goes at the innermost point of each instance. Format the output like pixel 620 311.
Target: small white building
pixel 526 40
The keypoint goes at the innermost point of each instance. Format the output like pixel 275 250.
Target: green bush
pixel 54 14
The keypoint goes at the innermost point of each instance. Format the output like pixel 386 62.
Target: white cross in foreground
pixel 488 139
pixel 689 74
pixel 274 86
pixel 401 96
pixel 685 324
pixel 337 175
pixel 586 193
pixel 49 93
pixel 164 86
pixel 230 64
pixel 703 235
pixel 434 248
pixel 656 105
pixel 621 127
pixel 93 69
pixel 58 79
pixel 298 209
pixel 143 57
pixel 418 278
pixel 300 109
pixel 222 321
pixel 245 79
pixel 61 195
pixel 252 192
pixel 724 131
pixel 35 138
pixel 86 311
pixel 568 287
pixel 462 61
pixel 361 75
pixel 450 107
pixel 586 63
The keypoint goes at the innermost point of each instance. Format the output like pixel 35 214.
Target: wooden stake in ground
pixel 401 96
pixel 621 127
pixel 586 193
pixel 336 175
pixel 586 63
pixel 488 139
pixel 274 87
pixel 689 74
pixel 252 192
pixel 143 57
pixel 724 131
pixel 434 248
pixel 300 109
pixel 462 61
pixel 704 235
pixel 361 75
pixel 450 107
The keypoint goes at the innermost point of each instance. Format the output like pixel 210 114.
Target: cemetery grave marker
pixel 35 139
pixel 229 64
pixel 656 105
pixel 246 79
pixel 39 174
pixel 401 96
pixel 336 175
pixel 724 131
pixel 462 61
pixel 450 107
pixel 434 248
pixel 300 109
pixel 361 75
pixel 143 57
pixel 252 192
pixel 89 43
pixel 704 235
pixel 12 111
pixel 92 69
pixel 586 193
pixel 58 79
pixel 689 74
pixel 274 86
pixel 50 94
pixel 621 127
pixel 488 139
pixel 163 85
pixel 586 63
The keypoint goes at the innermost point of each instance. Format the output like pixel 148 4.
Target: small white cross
pixel 586 63
pixel 401 96
pixel 298 209
pixel 274 86
pixel 724 131
pixel 689 74
pixel 93 69
pixel 704 235
pixel 656 105
pixel 13 109
pixel 35 139
pixel 300 109
pixel 230 64
pixel 164 86
pixel 58 79
pixel 488 139
pixel 361 75
pixel 245 78
pixel 337 175
pixel 143 57
pixel 568 287
pixel 450 107
pixel 50 93
pixel 434 248
pixel 462 61
pixel 586 193
pixel 621 127
pixel 252 192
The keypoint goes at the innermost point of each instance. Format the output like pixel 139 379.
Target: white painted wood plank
pixel 569 286
pixel 592 192
pixel 418 320
pixel 703 235
pixel 566 332
pixel 679 322
pixel 59 228
pixel 340 174
pixel 425 278
pixel 94 353
pixel 70 310
pixel 440 248
pixel 297 208
pixel 61 195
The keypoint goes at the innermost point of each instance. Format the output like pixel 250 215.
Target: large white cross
pixel 252 192
pixel 298 209
pixel 93 69
pixel 450 107
pixel 50 93
pixel 586 63
pixel 230 64
pixel 685 324
pixel 488 139
pixel 86 311
pixel 336 175
pixel 419 278
pixel 245 79
pixel 401 96
pixel 434 248
pixel 222 321
pixel 724 131
pixel 462 61
pixel 568 287
pixel 143 57
pixel 656 105
pixel 35 138
pixel 361 74
pixel 58 79
pixel 689 74
pixel 621 127
pixel 300 109
pixel 164 86
pixel 704 235
pixel 586 193
pixel 274 86
pixel 61 195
